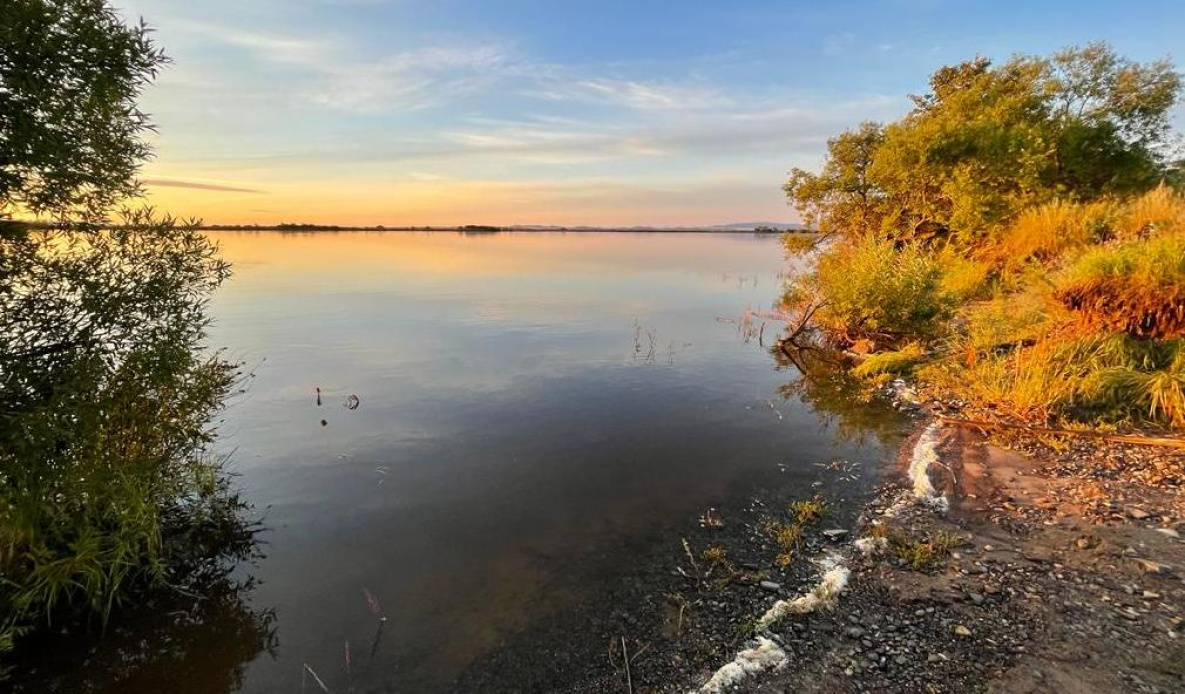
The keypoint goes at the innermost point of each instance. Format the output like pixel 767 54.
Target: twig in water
pixel 691 558
pixel 374 643
pixel 373 603
pixel 316 679
pixel 625 655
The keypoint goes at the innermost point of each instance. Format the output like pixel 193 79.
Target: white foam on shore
pixel 762 656
pixel 834 580
pixel 869 546
pixel 925 455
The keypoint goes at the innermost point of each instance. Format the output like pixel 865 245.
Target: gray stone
pixel 854 632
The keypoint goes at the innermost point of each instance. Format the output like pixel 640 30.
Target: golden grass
pixel 1137 287
pixel 901 361
pixel 1159 211
pixel 1044 232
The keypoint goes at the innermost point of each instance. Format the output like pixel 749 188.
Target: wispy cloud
pixel 196 185
pixel 411 79
pixel 269 46
pixel 764 129
pixel 644 95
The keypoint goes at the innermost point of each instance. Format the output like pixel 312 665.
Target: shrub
pixel 1009 320
pixel 105 484
pixel 873 289
pixel 963 278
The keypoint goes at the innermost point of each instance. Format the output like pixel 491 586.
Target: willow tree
pixel 71 135
pixel 106 389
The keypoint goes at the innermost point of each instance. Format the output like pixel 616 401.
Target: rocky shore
pixel 1014 566
pixel 1038 592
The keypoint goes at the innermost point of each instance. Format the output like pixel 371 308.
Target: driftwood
pixel 1162 442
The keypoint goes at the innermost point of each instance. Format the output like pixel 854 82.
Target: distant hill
pixel 749 226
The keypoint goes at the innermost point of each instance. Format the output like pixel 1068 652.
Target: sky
pixel 650 112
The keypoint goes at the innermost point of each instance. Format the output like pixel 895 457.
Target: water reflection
pixel 183 645
pixel 824 383
pixel 533 408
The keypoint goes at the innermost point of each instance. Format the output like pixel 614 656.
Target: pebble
pixel 961 630
pixel 853 632
pixel 771 586
pixel 1152 567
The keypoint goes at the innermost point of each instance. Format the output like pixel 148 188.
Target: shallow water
pixel 527 403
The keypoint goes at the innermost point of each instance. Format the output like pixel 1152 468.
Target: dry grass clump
pixel 1159 211
pixel 714 555
pixel 1137 287
pixel 1074 378
pixel 926 554
pixel 1043 233
pixel 807 511
pixel 886 364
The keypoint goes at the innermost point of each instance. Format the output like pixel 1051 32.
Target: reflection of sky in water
pixel 508 429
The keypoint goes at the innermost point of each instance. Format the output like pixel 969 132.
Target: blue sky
pixel 454 112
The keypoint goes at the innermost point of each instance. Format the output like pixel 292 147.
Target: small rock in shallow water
pixel 835 534
pixel 771 586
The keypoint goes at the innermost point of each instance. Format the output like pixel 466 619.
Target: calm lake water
pixel 526 402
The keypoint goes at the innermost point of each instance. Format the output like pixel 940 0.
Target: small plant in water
pixel 710 520
pixel 787 534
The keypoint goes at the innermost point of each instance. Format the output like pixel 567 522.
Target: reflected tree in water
pixel 833 393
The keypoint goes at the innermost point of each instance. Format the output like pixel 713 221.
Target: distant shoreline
pixel 494 230
pixel 480 228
